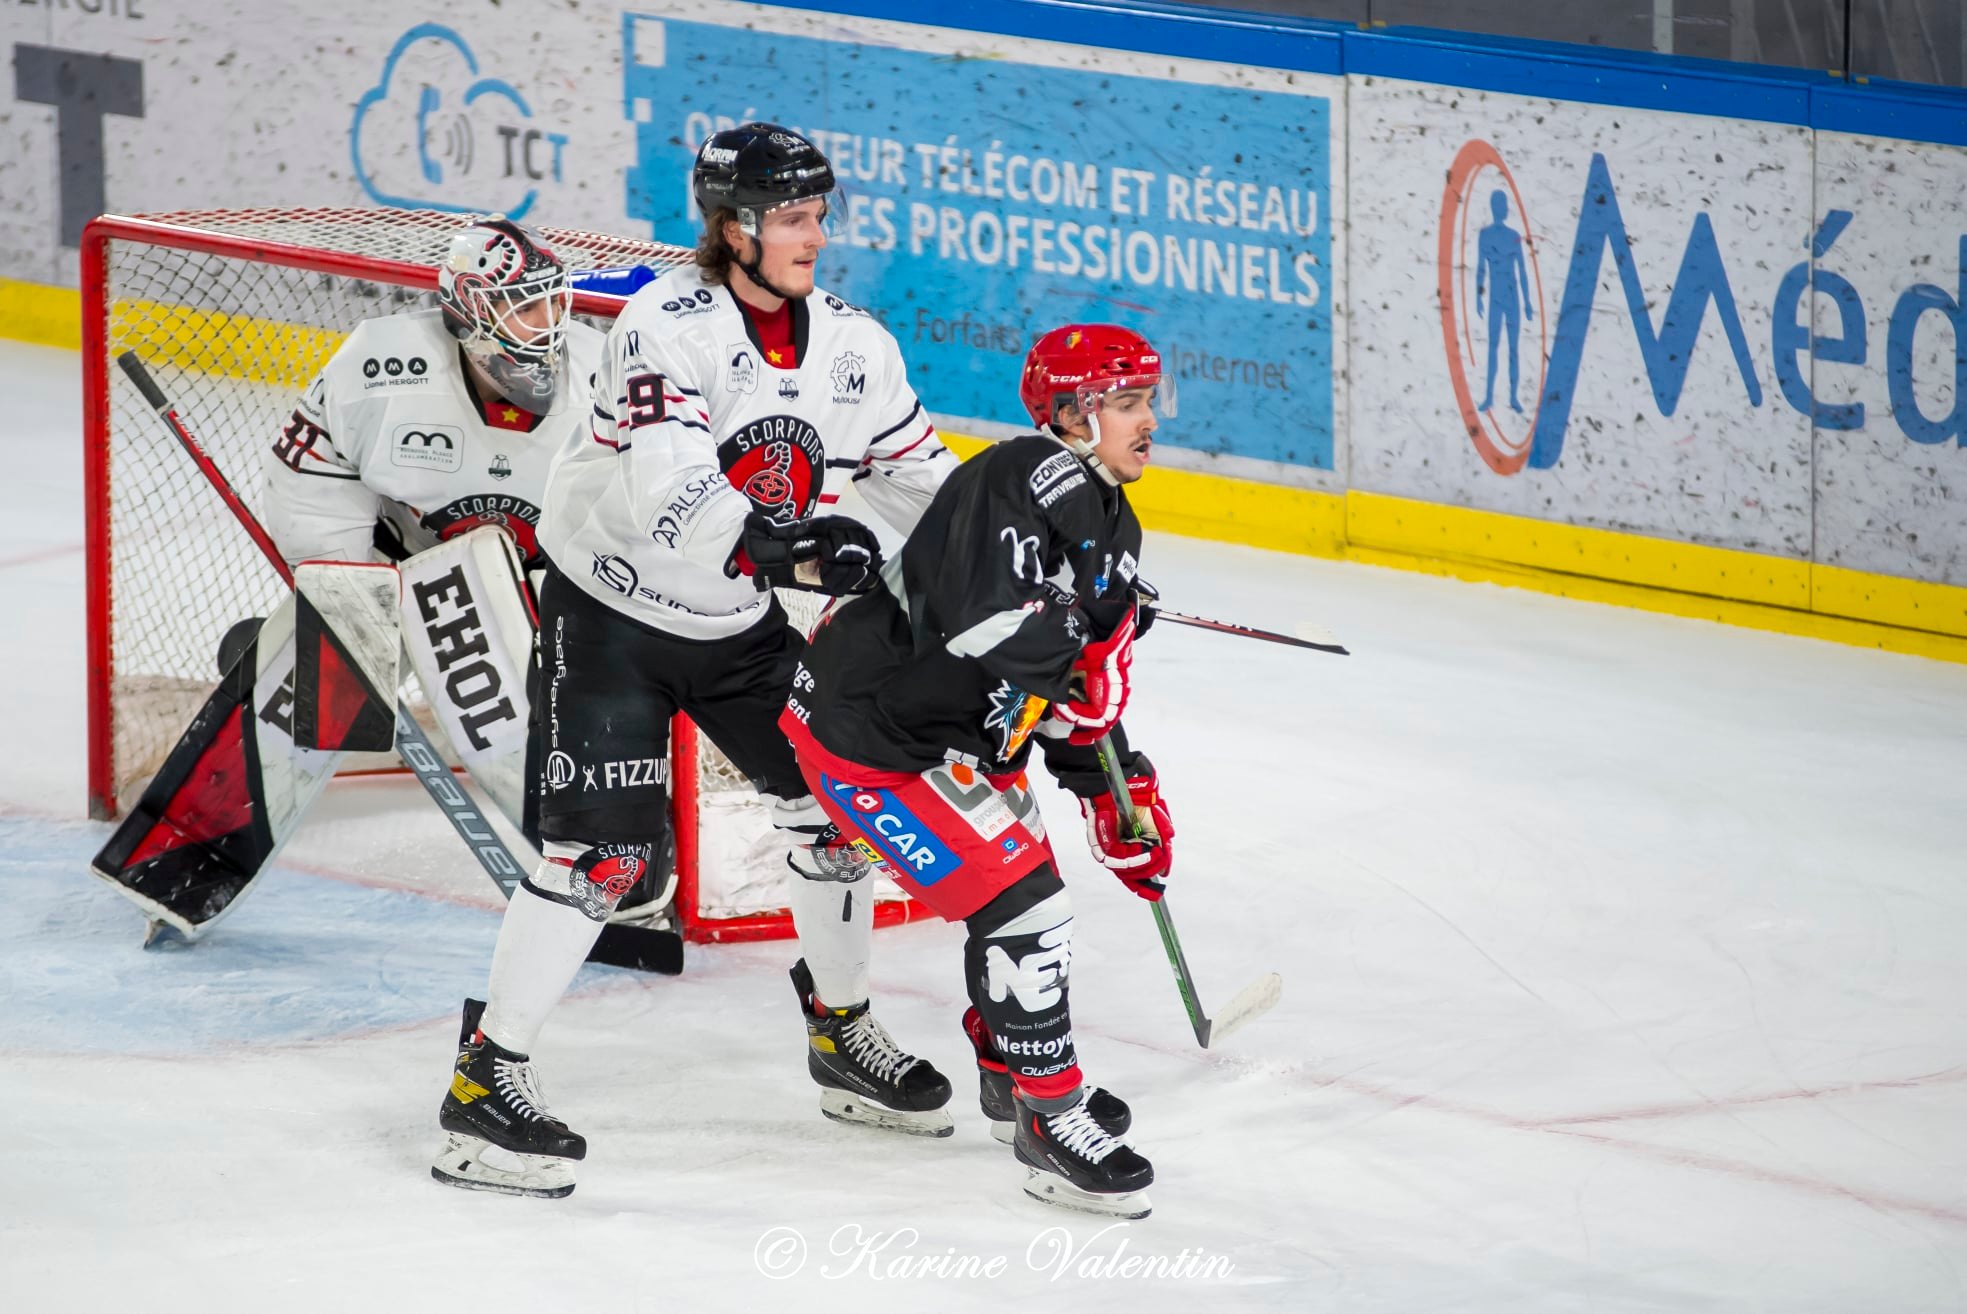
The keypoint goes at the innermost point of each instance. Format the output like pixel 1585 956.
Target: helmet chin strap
pixel 1089 451
pixel 754 269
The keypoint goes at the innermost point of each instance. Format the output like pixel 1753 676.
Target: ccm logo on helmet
pixel 903 840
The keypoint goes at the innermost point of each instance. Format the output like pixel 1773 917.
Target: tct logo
pixel 1502 347
pixel 432 133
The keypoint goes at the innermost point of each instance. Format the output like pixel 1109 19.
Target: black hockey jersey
pixel 1022 558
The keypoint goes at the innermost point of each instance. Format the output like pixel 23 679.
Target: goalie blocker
pixel 315 681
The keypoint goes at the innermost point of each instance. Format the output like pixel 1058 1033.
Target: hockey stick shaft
pixel 1116 781
pixel 1246 631
pixel 424 761
pixel 139 375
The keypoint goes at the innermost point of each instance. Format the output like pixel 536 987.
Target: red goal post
pixel 234 311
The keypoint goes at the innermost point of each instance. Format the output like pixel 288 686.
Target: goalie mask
pixel 1081 365
pixel 505 296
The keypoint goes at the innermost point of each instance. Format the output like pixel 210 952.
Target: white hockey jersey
pixel 693 427
pixel 390 429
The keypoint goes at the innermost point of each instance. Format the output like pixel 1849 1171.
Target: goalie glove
pixel 1099 685
pixel 825 554
pixel 1141 865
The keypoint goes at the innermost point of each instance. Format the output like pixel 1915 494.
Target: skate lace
pixel 870 1045
pixel 519 1086
pixel 1079 1132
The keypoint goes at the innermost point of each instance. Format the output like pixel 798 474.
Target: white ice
pixel 1624 963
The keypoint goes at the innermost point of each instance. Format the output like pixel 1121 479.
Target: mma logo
pixel 690 305
pixel 427 446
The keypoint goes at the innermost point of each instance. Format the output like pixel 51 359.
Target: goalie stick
pixel 642 948
pixel 1252 1000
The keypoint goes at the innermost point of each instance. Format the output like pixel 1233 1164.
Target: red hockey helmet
pixel 1081 363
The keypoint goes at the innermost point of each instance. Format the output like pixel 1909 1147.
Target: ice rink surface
pixel 1625 969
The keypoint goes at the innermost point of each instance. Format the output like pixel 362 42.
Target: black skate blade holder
pixel 1249 1003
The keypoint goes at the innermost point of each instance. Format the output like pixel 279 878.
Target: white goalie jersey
pixel 693 427
pixel 390 430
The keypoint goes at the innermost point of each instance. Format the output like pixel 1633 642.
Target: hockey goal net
pixel 234 311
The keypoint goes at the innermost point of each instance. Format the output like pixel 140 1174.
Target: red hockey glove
pixel 1099 681
pixel 1141 867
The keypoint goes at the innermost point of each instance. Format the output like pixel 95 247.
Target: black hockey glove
pixel 826 554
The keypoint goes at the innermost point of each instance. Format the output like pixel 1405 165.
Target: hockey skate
pixel 1075 1163
pixel 994 1089
pixel 499 1135
pixel 864 1077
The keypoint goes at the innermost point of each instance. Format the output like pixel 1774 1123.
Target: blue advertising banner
pixel 987 200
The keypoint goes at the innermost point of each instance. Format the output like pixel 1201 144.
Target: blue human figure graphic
pixel 1499 249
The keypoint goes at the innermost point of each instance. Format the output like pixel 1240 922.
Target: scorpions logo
pixel 777 463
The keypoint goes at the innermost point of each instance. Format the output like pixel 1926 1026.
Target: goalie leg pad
pixel 346 658
pixel 227 797
pixel 469 630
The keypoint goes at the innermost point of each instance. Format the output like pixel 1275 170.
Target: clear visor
pixel 790 223
pixel 1128 392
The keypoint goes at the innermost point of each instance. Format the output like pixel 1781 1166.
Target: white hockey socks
pixel 542 943
pixel 831 892
pixel 835 921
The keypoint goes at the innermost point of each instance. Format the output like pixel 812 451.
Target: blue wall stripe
pixel 1892 109
pixel 1547 70
pixel 1259 40
pixel 1508 65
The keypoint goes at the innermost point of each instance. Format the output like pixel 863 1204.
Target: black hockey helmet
pixel 756 167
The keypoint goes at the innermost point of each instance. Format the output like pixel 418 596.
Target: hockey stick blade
pixel 1309 635
pixel 640 948
pixel 1252 1002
